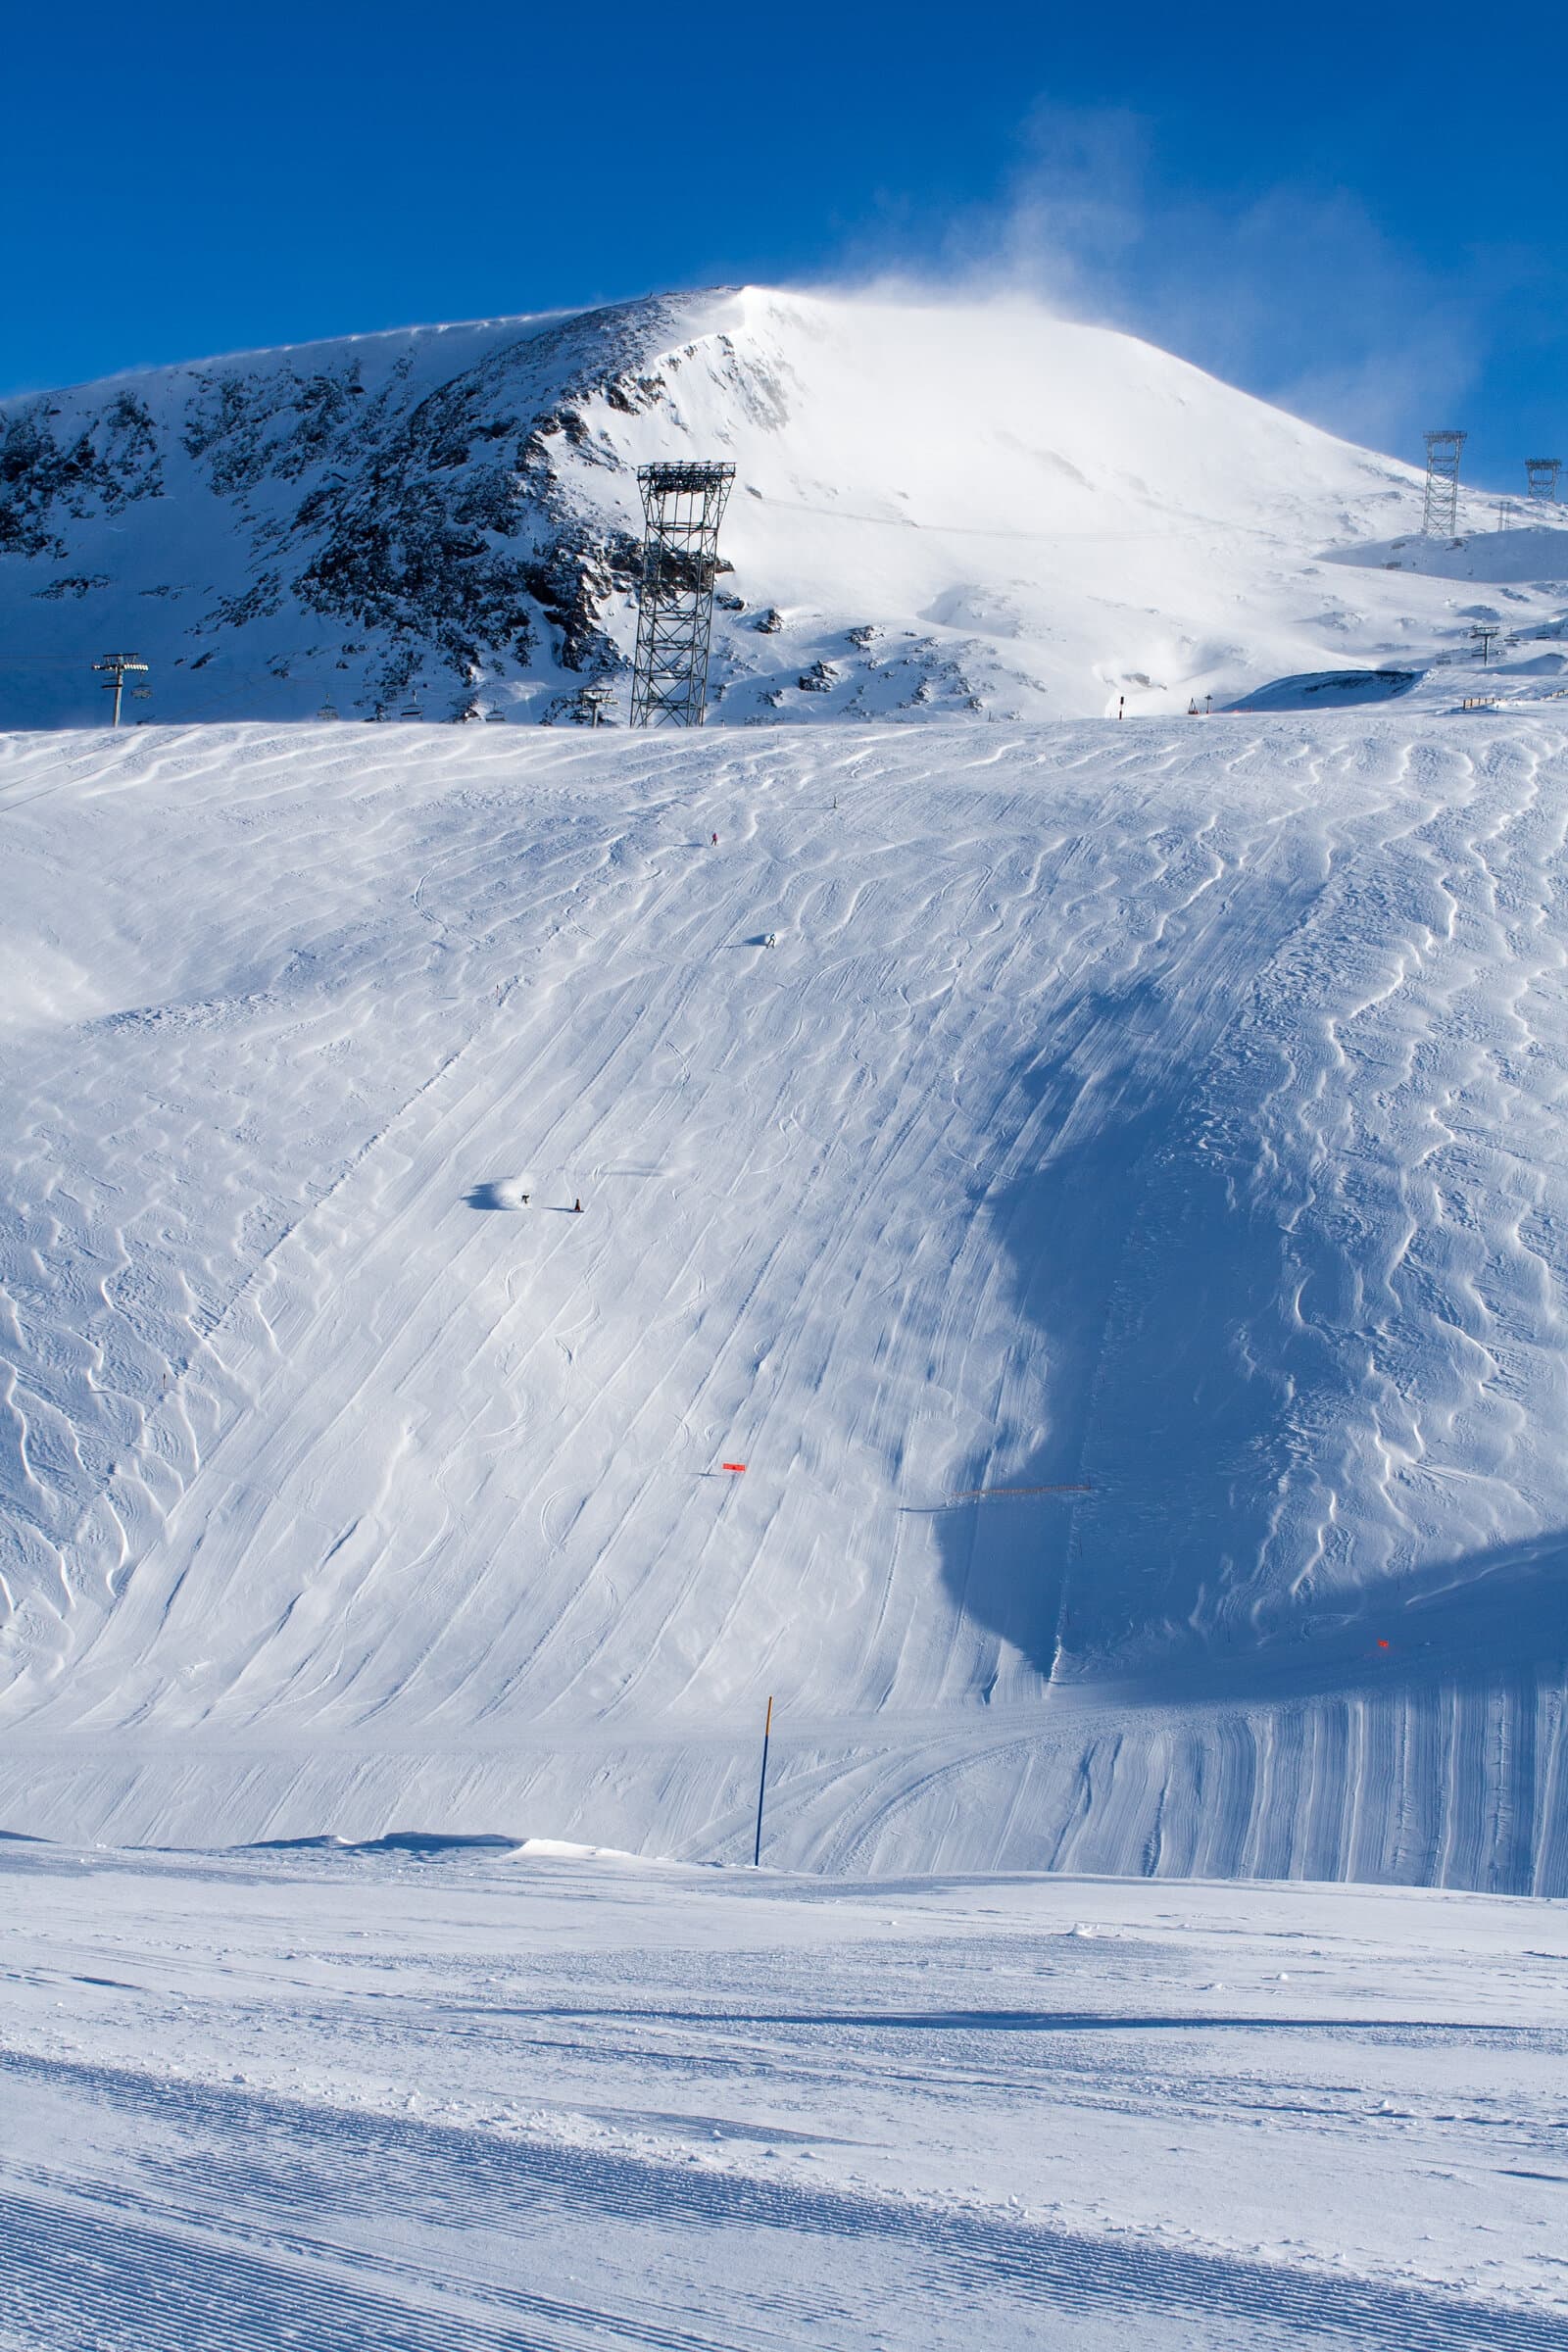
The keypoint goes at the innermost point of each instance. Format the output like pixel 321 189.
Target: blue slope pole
pixel 762 1786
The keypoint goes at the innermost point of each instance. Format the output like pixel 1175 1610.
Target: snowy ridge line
pixel 899 467
pixel 251 2145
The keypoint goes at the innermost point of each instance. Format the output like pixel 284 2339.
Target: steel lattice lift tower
pixel 684 505
pixel 1440 518
pixel 1541 475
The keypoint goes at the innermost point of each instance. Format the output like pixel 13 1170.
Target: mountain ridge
pixel 940 508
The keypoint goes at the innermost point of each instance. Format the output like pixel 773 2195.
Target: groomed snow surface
pixel 1170 1112
pixel 419 2101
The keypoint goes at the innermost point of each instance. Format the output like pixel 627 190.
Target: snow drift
pixel 1173 1113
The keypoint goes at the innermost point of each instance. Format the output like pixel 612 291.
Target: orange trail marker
pixel 732 1465
pixel 1384 1645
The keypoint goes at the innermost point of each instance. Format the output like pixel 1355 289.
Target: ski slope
pixel 1173 1111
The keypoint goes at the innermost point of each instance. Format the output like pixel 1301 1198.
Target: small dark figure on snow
pixel 576 1208
pixel 715 841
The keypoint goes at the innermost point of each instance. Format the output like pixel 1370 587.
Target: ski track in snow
pixel 516 2102
pixel 77 2261
pixel 1171 1109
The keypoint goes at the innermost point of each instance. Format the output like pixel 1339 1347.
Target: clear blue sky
pixel 1358 212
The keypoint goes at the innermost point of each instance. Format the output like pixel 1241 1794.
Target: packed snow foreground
pixel 1118 1226
pixel 416 2099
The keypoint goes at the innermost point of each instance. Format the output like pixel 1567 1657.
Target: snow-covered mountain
pixel 939 508
pixel 1168 1112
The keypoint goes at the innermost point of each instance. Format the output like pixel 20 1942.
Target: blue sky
pixel 1359 214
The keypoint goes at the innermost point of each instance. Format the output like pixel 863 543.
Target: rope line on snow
pixel 1001 1493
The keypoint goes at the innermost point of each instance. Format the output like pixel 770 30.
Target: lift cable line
pixel 120 666
pixel 683 505
pixel 1439 517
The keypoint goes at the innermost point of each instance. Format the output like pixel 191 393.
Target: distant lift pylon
pixel 120 666
pixel 1440 513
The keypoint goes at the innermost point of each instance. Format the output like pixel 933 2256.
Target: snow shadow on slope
pixel 1194 1377
pixel 1327 690
pixel 1171 1349
pixel 1129 1265
pixel 424 1845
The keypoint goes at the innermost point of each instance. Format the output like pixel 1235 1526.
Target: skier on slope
pixel 576 1208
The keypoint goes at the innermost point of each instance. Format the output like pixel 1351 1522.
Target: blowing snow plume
pixel 965 507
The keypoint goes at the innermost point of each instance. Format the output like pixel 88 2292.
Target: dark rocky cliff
pixel 380 521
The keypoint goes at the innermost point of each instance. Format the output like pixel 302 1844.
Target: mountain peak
pixel 940 505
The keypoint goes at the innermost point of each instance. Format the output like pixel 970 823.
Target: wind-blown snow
pixel 939 508
pixel 1171 1110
